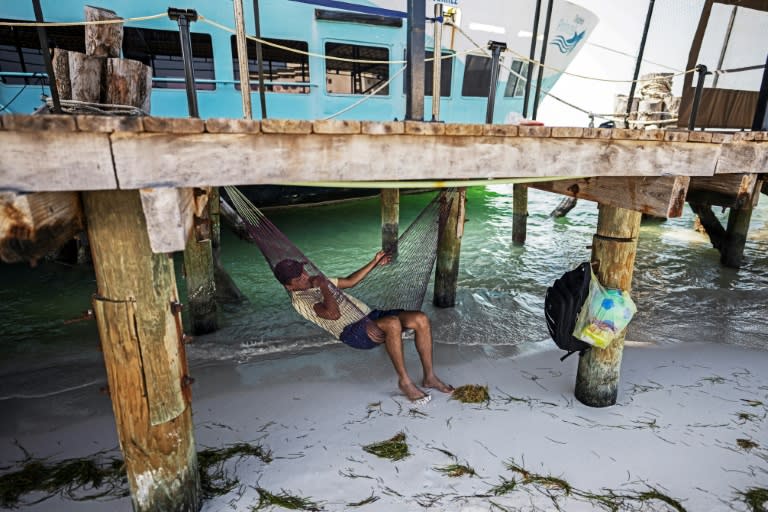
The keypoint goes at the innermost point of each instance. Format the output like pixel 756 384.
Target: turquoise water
pixel 682 292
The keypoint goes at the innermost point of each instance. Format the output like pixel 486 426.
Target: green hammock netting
pixel 400 285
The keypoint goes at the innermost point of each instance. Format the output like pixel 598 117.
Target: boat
pixel 312 53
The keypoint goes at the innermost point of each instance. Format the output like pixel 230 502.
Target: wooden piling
pixel 390 220
pixel 199 270
pixel 449 249
pixel 519 213
pixel 141 339
pixel 732 253
pixel 613 257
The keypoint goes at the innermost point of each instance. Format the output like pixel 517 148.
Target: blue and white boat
pixel 300 82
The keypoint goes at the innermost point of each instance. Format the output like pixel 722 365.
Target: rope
pixel 564 72
pixel 321 56
pixel 78 23
pixel 75 106
pixel 367 96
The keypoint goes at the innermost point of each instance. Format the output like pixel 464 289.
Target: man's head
pixel 287 270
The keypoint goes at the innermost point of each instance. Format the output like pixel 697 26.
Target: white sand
pixel 675 428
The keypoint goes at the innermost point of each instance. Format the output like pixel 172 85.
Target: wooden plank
pixel 501 130
pixel 336 127
pixel 227 125
pixel 726 190
pixel 463 129
pixel 56 161
pixel 60 63
pixel 85 74
pixel 149 160
pixel 567 132
pixel 109 124
pixel 654 134
pixel 102 40
pixel 50 122
pixel 534 131
pixel 743 158
pixel 293 126
pixel 128 82
pixel 169 215
pixel 424 128
pixel 382 128
pixel 597 133
pixel 662 196
pixel 34 225
pixel 626 133
pixel 178 125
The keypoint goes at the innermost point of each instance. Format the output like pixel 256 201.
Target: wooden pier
pixel 145 183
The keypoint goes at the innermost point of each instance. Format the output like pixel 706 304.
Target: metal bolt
pixel 176 307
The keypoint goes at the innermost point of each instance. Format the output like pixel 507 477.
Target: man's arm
pixel 355 277
pixel 328 308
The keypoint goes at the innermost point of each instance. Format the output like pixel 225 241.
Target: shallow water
pixel 682 292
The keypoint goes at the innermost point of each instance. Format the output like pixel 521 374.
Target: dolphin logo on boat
pixel 567 45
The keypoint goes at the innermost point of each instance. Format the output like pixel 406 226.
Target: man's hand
pixel 382 258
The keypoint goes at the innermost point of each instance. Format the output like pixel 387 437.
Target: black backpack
pixel 562 305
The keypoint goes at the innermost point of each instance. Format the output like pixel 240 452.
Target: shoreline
pixel 681 412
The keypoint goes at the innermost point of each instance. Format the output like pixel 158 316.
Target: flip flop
pixel 422 401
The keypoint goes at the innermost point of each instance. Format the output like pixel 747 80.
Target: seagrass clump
pixel 471 394
pixel 756 498
pixel 283 499
pixel 393 449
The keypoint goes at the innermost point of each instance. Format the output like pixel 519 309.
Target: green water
pixel 682 292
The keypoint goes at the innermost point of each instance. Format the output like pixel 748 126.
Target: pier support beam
pixel 519 214
pixel 449 249
pixel 199 273
pixel 390 220
pixel 140 331
pixel 613 254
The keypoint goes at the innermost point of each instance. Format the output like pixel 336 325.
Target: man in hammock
pixel 317 299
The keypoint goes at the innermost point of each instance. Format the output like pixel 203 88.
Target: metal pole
pixel 496 48
pixel 702 70
pixel 437 61
pixel 726 40
pixel 47 57
pixel 414 75
pixel 531 57
pixel 242 59
pixel 184 17
pixel 259 60
pixel 543 60
pixel 760 122
pixel 639 61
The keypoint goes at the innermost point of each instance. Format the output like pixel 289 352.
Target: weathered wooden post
pixel 732 253
pixel 449 249
pixel 519 213
pixel 140 330
pixel 199 273
pixel 390 220
pixel 613 254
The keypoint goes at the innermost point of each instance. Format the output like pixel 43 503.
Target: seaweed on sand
pixel 756 498
pixel 394 448
pixel 471 394
pixel 285 500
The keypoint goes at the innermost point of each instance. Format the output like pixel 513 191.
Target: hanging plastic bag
pixel 605 313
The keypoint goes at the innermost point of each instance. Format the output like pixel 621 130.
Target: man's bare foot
pixel 412 392
pixel 434 383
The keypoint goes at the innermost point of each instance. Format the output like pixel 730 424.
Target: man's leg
pixel 419 322
pixel 394 344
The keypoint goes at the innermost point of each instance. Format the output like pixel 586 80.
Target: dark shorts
pixel 356 336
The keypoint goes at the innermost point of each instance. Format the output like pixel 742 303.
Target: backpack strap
pixel 571 352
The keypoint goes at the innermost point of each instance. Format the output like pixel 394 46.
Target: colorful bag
pixel 604 315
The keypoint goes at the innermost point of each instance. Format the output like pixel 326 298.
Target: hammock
pixel 400 285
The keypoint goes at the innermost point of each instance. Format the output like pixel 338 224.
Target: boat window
pixel 20 50
pixel 345 77
pixel 516 84
pixel 282 66
pixel 161 49
pixel 477 76
pixel 446 72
